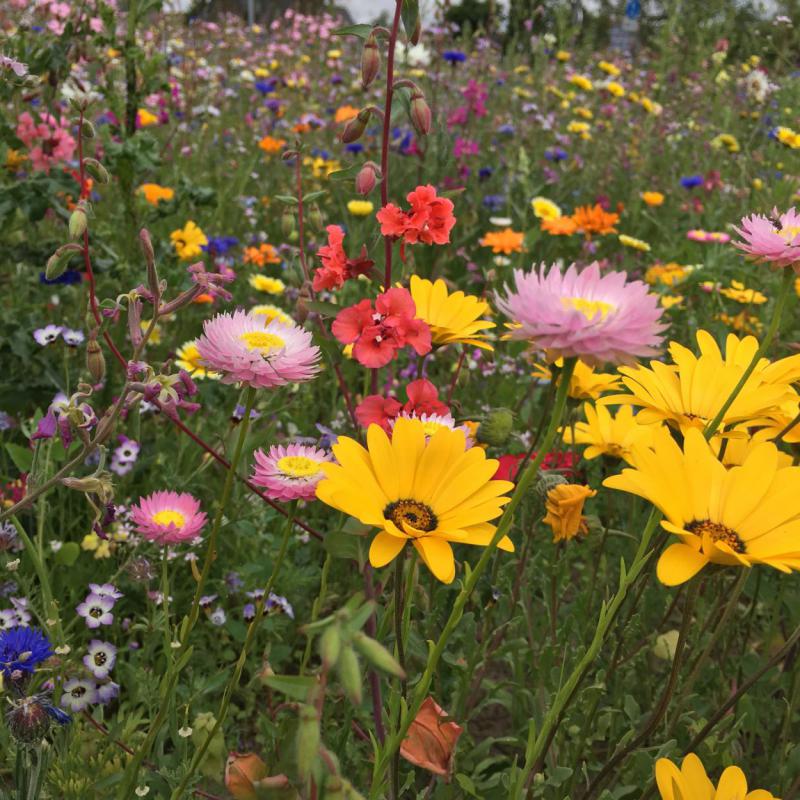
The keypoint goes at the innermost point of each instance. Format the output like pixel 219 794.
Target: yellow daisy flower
pixel 263 283
pixel 585 383
pixel 564 507
pixel 428 492
pixel 605 435
pixel 544 208
pixel 451 317
pixel 188 357
pixel 636 244
pixel 270 312
pixel 735 517
pixel 689 392
pixel 740 294
pixel 188 241
pixel 691 781
pixel 360 208
pixel 581 81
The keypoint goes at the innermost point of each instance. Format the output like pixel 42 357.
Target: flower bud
pixel 330 645
pixel 150 259
pixel 496 428
pixel 87 130
pixel 370 61
pixel 28 720
pixel 355 127
pixel 287 222
pixel 57 262
pixel 90 485
pixel 315 217
pixel 421 117
pixel 366 179
pixel 334 788
pixel 307 741
pixel 350 792
pixel 78 221
pixel 242 772
pixel 95 361
pixel 416 34
pixel 378 655
pixel 350 674
pixel 96 170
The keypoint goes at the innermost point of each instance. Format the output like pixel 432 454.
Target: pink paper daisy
pixel 290 472
pixel 246 347
pixel 168 517
pixel 775 241
pixel 599 319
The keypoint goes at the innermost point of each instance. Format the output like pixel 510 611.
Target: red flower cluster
pixel 429 220
pixel 378 333
pixel 555 462
pixel 336 266
pixel 423 398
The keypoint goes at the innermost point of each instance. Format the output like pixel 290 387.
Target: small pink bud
pixel 421 117
pixel 355 128
pixel 366 180
pixel 370 61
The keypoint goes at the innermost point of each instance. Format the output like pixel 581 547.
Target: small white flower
pixel 12 566
pixel 142 791
pixel 185 732
pixel 63 650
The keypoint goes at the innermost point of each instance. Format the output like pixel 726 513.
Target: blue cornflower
pixel 266 87
pixel 454 56
pixel 690 181
pixel 494 201
pixel 68 276
pixel 507 129
pixel 555 154
pixel 21 649
pixel 485 172
pixel 219 245
pixel 354 147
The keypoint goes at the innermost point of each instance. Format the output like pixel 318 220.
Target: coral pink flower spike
pixel 168 517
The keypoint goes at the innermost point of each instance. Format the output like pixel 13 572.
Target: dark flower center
pixel 96 612
pixel 78 692
pixel 100 658
pixel 416 514
pixel 718 533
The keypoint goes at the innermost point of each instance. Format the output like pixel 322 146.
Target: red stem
pixel 374 678
pixel 455 375
pixel 387 119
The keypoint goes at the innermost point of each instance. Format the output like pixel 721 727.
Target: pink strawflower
pixel 245 347
pixel 168 517
pixel 48 140
pixel 599 319
pixel 775 241
pixel 290 472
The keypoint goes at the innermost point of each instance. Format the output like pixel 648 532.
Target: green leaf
pixel 296 686
pixel 362 31
pixel 286 198
pixel 348 174
pixel 21 456
pixel 68 554
pixel 342 545
pixel 410 16
pixel 466 784
pixel 315 195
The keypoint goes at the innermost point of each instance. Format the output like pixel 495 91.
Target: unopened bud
pixel 28 720
pixel 366 179
pixel 350 674
pixel 78 222
pixel 355 128
pixel 421 117
pixel 96 170
pixel 378 655
pixel 150 258
pixel 307 741
pixel 416 34
pixel 87 130
pixel 370 61
pixel 287 222
pixel 330 645
pixel 90 485
pixel 57 262
pixel 95 361
pixel 350 792
pixel 315 217
pixel 496 428
pixel 334 788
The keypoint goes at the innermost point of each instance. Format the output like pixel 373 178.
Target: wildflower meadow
pixel 400 407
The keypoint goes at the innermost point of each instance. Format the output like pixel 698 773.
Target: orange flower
pixel 345 114
pixel 271 146
pixel 246 774
pixel 261 255
pixel 559 226
pixel 154 194
pixel 431 742
pixel 593 219
pixel 653 198
pixel 203 298
pixel 302 127
pixel 564 507
pixel 506 241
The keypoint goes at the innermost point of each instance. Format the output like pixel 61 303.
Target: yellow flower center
pixel 298 466
pixel 265 343
pixel 589 308
pixel 430 427
pixel 718 533
pixel 789 233
pixel 169 517
pixel 412 512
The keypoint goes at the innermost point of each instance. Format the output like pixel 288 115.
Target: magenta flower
pixel 773 241
pixel 244 347
pixel 168 517
pixel 599 319
pixel 290 472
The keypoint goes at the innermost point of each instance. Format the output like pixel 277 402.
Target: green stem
pixel 393 742
pixel 171 677
pixel 233 683
pixel 316 608
pixel 780 304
